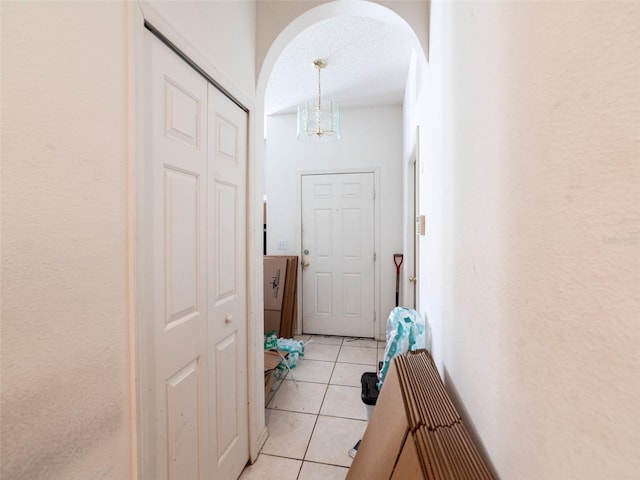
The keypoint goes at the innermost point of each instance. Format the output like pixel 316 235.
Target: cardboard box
pixel 289 302
pixel 268 383
pixel 271 361
pixel 272 321
pixel 275 270
pixel 280 294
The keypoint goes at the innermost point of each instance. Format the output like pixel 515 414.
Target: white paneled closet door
pixel 195 160
pixel 227 246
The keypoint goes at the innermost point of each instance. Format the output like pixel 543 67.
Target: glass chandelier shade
pixel 319 121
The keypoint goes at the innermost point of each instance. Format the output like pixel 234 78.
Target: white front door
pixel 338 254
pixel 196 395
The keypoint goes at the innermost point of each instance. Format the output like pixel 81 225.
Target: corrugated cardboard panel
pixel 408 467
pixel 433 405
pixel 385 435
pixel 415 431
pixel 409 393
pixel 268 383
pixel 287 324
pixel 272 321
pixel 272 359
pixel 275 269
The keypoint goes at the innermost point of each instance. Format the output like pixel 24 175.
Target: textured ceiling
pixel 367 65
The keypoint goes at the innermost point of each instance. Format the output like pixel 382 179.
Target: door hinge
pixel 374 316
pixel 374 193
pixel 374 256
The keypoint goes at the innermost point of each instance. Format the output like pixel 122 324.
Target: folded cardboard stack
pixel 280 292
pixel 415 431
pixel 447 452
pixel 426 398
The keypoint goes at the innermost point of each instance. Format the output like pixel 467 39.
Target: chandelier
pixel 319 122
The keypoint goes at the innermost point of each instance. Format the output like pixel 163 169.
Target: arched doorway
pixel 347 16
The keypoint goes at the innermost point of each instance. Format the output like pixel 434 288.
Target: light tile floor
pixel 316 415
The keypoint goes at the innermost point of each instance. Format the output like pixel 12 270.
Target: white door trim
pixel 417 173
pixel 140 304
pixel 377 328
pixel 408 288
pixel 176 38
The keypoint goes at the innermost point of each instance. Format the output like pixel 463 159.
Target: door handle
pixel 305 264
pixel 413 279
pixel 228 318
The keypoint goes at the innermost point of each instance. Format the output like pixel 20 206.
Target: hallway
pixel 315 420
pixel 520 123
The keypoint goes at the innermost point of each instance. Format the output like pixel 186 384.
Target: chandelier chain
pixel 319 96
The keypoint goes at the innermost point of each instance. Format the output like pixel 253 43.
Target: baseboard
pixel 261 440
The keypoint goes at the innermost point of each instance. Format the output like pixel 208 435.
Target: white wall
pixel 423 108
pixel 65 378
pixel 222 34
pixel 371 139
pixel 67 395
pixel 530 115
pixel 273 16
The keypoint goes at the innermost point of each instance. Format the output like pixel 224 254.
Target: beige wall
pixel 65 378
pixel 66 397
pixel 531 121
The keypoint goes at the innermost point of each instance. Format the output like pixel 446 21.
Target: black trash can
pixel 369 395
pixel 370 392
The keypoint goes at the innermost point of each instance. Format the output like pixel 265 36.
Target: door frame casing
pixel 379 335
pixel 410 289
pixel 140 303
pixel 417 173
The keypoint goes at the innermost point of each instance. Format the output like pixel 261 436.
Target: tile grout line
pixel 303 461
pixel 308 443
pixel 318 415
pixel 327 384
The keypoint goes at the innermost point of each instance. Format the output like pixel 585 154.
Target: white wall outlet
pixel 282 244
